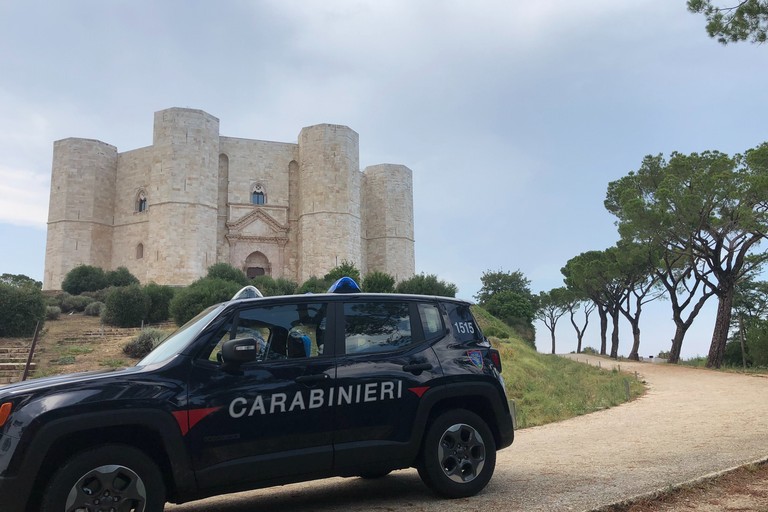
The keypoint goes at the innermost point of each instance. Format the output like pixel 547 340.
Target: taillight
pixel 5 411
pixel 496 359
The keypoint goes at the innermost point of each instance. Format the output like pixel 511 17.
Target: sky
pixel 514 116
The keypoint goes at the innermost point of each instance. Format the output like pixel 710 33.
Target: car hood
pixel 59 380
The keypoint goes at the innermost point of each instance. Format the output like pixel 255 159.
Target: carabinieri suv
pixel 261 391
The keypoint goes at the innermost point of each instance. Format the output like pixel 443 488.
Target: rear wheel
pixel 115 478
pixel 458 455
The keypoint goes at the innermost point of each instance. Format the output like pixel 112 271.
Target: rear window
pixel 463 324
pixel 376 326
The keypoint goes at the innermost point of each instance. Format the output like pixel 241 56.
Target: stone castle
pixel 194 198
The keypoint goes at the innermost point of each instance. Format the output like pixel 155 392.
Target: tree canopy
pixel 708 211
pixel 747 19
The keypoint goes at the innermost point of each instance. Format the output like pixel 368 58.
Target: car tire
pixel 116 475
pixel 458 454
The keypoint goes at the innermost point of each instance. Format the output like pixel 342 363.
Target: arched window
pixel 139 251
pixel 257 194
pixel 141 202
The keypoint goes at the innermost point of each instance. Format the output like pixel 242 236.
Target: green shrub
pixel 121 277
pixel 315 285
pixel 98 295
pixel 94 308
pixel 21 308
pixel 143 343
pixel 378 282
pixel 427 284
pixel 77 303
pixel 52 312
pixel 346 269
pixel 270 287
pixel 84 278
pixel 126 307
pixel 227 272
pixel 188 302
pixel 589 350
pixel 159 302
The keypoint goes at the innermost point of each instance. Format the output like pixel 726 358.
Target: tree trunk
pixel 552 332
pixel 722 325
pixel 677 343
pixel 742 336
pixel 615 334
pixel 580 337
pixel 603 328
pixel 633 355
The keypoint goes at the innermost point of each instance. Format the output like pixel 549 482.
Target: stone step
pixel 16 366
pixel 14 350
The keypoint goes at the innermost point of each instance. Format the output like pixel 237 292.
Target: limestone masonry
pixel 194 198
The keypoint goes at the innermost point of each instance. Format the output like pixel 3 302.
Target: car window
pixel 431 320
pixel 376 326
pixel 463 324
pixel 281 331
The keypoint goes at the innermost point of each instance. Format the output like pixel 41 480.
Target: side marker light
pixel 5 411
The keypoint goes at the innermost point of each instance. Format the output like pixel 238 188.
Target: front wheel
pixel 458 454
pixel 112 477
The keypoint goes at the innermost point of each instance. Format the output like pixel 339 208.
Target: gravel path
pixel 689 424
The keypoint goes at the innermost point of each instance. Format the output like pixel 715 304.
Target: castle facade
pixel 194 198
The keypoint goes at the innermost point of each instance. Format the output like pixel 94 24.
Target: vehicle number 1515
pixel 464 327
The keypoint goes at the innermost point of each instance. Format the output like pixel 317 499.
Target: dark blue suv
pixel 265 391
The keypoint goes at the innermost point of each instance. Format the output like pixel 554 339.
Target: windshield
pixel 179 340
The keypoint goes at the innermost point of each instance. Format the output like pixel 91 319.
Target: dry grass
pixel 77 343
pixel 745 489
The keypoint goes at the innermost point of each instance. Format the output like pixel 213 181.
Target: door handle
pixel 312 379
pixel 417 368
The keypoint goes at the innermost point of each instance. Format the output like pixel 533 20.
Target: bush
pixel 423 284
pixel 378 282
pixel 589 350
pixel 346 269
pixel 77 303
pixel 98 295
pixel 121 277
pixel 227 272
pixel 270 287
pixel 84 278
pixel 143 343
pixel 159 302
pixel 94 308
pixel 315 285
pixel 52 312
pixel 126 307
pixel 204 292
pixel 21 308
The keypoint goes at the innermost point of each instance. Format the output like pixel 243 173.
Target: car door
pixel 385 365
pixel 270 419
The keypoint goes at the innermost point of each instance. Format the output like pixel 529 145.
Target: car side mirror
pixel 239 351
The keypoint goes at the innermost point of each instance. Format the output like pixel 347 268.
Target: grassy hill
pixel 549 388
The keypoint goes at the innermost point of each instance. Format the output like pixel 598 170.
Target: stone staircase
pixel 13 359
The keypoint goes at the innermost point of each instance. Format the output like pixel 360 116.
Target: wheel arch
pixel 153 432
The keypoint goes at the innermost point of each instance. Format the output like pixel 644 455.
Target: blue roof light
pixel 344 285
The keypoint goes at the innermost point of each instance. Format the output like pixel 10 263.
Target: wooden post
pixel 31 352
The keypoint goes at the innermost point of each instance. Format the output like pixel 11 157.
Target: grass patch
pixel 549 388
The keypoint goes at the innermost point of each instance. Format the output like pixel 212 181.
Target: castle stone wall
pixel 388 237
pixel 319 209
pixel 80 215
pixel 329 199
pixel 185 166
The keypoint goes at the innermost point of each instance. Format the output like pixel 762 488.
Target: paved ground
pixel 690 423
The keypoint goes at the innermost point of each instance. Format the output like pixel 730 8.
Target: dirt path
pixel 691 423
